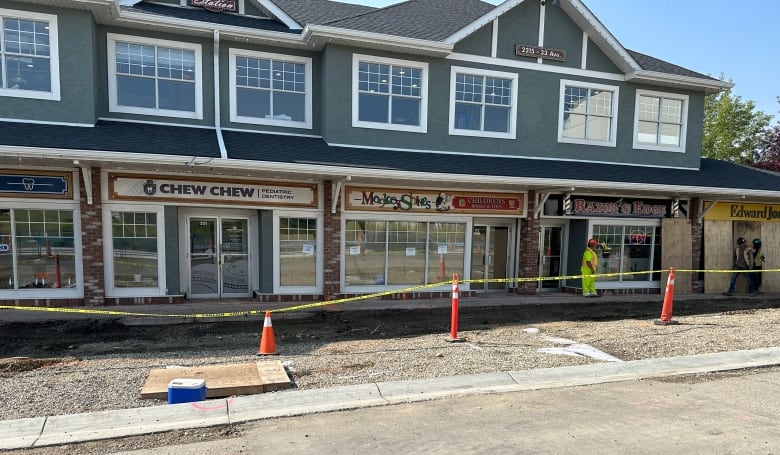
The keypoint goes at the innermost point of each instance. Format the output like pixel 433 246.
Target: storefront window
pixel 134 237
pixel 403 252
pixel 43 246
pixel 629 250
pixel 297 251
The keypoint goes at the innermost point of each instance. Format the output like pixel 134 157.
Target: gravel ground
pixel 83 381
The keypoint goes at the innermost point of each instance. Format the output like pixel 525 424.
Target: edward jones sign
pixel 212 191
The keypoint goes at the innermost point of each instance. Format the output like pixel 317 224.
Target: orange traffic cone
pixel 267 343
pixel 666 311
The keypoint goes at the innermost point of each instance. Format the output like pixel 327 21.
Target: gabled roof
pixel 320 11
pixel 419 19
pixel 649 63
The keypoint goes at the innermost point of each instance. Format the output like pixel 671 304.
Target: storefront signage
pixel 743 212
pixel 212 191
pixel 427 201
pixel 527 50
pixel 619 207
pixel 216 6
pixel 38 184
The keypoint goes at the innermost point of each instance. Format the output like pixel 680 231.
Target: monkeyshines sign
pixel 433 201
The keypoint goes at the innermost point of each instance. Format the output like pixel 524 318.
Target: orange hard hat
pixel 593 242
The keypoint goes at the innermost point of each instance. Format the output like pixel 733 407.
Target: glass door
pixel 218 257
pixel 550 257
pixel 489 258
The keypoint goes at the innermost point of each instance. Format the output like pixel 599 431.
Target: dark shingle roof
pixel 149 140
pixel 202 15
pixel 114 137
pixel 320 11
pixel 654 64
pixel 432 20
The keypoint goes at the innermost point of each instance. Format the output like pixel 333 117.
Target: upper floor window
pixel 482 103
pixel 660 121
pixel 154 77
pixel 29 63
pixel 588 113
pixel 270 89
pixel 389 94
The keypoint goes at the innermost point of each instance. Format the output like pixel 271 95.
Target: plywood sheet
pixel 221 380
pixel 718 254
pixel 676 252
pixel 770 240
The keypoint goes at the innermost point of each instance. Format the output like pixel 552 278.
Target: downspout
pixel 217 99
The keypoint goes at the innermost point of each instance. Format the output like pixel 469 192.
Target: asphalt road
pixel 732 413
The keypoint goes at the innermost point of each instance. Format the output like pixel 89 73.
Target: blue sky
pixel 737 39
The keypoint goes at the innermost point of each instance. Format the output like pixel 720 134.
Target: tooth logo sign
pixel 29 184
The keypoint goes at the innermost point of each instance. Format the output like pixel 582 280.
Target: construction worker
pixel 758 264
pixel 588 268
pixel 743 260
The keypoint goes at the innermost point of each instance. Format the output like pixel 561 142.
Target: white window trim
pixel 422 128
pixel 108 252
pixel 113 105
pixel 319 251
pixel 683 125
pixel 612 142
pixel 234 117
pixel 512 134
pixel 54 56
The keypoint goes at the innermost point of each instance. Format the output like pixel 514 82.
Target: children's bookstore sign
pixel 429 201
pixel 214 191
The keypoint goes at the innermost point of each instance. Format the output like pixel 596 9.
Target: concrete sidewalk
pixel 75 428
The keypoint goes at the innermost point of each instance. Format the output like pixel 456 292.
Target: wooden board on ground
pixel 221 380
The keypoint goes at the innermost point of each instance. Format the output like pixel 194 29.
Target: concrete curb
pixel 72 428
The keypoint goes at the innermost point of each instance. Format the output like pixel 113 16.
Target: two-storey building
pixel 154 151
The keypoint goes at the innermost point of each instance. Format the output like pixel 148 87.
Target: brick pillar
pixel 92 242
pixel 331 273
pixel 529 249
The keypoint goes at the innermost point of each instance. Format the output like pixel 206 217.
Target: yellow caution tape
pixel 359 297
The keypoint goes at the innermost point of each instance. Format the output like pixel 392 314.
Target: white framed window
pixel 660 121
pixel 389 94
pixel 135 253
pixel 588 113
pixel 298 242
pixel 154 77
pixel 270 89
pixel 483 103
pixel 29 55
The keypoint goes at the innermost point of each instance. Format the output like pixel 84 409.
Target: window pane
pixel 253 103
pixel 6 251
pixel 373 77
pixel 406 81
pixel 574 126
pixel 177 96
pixel 135 91
pixel 672 111
pixel 46 254
pixel 406 111
pixel 373 108
pixel 468 116
pixel 498 91
pixel 648 108
pixel 406 253
pixel 648 133
pixel 497 119
pixel 28 73
pixel 134 249
pixel 670 135
pixel 575 100
pixel 290 106
pixel 599 128
pixel 468 88
pixel 445 251
pixel 600 103
pixel 298 256
pixel 365 252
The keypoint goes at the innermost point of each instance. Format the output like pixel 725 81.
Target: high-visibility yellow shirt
pixel 590 256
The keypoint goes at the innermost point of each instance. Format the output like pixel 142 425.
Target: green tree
pixel 733 128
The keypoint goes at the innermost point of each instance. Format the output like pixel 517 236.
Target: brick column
pixel 92 242
pixel 331 273
pixel 529 249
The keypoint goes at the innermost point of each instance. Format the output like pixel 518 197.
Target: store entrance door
pixel 489 256
pixel 218 256
pixel 550 257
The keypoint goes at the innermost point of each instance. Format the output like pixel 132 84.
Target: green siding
pixel 478 43
pixel 520 25
pixel 266 236
pixel 172 250
pixel 598 60
pixel 560 32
